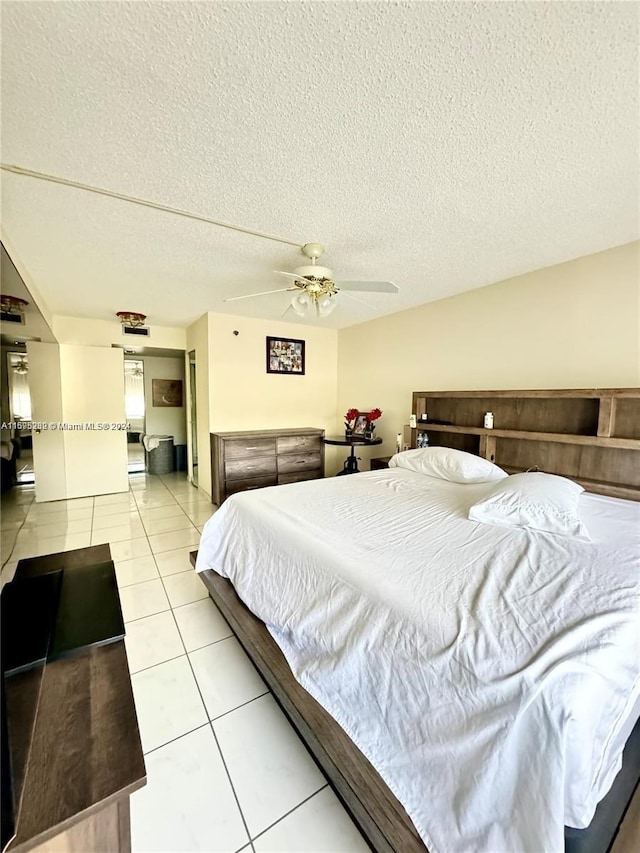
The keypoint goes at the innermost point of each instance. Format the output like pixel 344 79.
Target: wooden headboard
pixel 591 435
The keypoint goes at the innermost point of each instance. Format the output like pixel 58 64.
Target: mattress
pixel 489 674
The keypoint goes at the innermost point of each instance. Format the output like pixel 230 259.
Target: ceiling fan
pixel 314 286
pixel 21 367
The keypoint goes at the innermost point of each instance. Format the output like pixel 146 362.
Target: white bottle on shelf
pixel 488 420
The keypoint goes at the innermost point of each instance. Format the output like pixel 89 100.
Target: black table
pixel 351 462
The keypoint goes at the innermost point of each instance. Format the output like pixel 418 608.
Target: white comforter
pixel 488 674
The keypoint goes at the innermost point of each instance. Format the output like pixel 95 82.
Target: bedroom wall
pixel 576 324
pixel 104 333
pixel 244 396
pixel 164 420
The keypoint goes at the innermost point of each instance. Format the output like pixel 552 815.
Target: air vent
pixel 17 319
pixel 137 331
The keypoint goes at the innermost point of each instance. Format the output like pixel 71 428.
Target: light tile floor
pixel 226 772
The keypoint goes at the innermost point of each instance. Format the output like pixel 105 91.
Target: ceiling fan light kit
pixel 12 304
pixel 131 319
pixel 314 287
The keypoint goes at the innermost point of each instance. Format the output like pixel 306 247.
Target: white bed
pixel 490 675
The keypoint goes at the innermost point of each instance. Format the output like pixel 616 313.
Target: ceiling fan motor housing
pixel 313 271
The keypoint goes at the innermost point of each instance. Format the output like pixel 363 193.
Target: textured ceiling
pixel 443 146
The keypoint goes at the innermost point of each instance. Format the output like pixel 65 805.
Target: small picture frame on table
pixel 360 425
pixel 285 355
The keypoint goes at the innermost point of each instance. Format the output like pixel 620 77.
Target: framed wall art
pixel 166 392
pixel 285 355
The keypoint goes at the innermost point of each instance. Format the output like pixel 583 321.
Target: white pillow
pixel 536 501
pixel 448 464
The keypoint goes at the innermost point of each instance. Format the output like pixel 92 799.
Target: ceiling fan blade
pixel 290 275
pixel 262 293
pixel 368 286
pixel 361 301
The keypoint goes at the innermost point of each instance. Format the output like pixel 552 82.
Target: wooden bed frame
pixel 380 817
pixel 378 814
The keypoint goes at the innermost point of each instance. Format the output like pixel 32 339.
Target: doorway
pixel 194 418
pixel 135 413
pixel 20 411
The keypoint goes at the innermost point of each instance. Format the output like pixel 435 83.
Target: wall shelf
pixel 528 435
pixel 591 435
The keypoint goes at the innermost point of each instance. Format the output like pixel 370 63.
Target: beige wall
pixel 576 325
pixel 244 396
pixel 104 333
pixel 164 420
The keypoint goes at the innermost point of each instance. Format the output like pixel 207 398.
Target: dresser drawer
pixel 259 458
pixel 299 444
pixel 239 448
pixel 252 466
pixel 299 476
pixel 298 462
pixel 245 485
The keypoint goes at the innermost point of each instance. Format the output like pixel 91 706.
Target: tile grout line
pixel 176 738
pixel 135 583
pixel 242 705
pixel 291 811
pixel 206 710
pixel 224 763
pixel 186 654
pixel 210 721
pixel 147 668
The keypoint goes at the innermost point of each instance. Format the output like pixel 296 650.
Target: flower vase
pixel 348 433
pixel 369 432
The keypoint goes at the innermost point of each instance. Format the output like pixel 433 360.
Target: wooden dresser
pixel 250 460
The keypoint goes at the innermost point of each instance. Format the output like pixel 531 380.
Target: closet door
pixel 92 381
pixel 77 395
pixel 45 387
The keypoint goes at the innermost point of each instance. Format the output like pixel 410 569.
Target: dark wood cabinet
pixel 73 748
pixel 253 459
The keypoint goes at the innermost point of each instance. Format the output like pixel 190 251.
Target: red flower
pixel 351 415
pixel 373 415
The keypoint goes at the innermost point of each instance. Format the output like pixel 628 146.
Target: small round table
pixel 351 462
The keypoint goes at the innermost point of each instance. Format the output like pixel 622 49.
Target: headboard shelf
pixel 591 435
pixel 527 435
